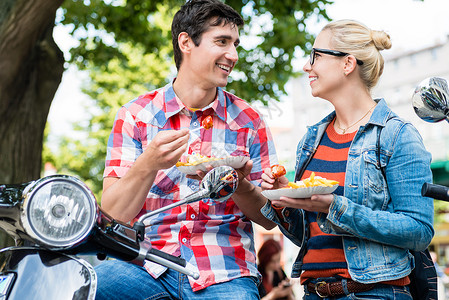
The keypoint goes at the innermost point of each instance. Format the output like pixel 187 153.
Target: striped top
pixel 325 256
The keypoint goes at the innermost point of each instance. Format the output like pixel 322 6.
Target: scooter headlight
pixel 59 211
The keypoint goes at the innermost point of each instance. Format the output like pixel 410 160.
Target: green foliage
pixel 125 45
pixel 280 29
pixel 112 84
pixel 277 27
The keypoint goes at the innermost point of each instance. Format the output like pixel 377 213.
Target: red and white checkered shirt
pixel 218 239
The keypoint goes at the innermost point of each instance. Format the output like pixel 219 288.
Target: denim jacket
pixel 378 218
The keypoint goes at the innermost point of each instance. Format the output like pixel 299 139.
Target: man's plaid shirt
pixel 218 239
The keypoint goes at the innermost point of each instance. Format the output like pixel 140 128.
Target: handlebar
pixel 176 263
pixel 177 260
pixel 436 191
pixel 119 240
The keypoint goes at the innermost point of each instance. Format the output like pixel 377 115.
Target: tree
pixel 31 67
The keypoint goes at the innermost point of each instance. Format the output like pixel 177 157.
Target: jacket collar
pixel 381 113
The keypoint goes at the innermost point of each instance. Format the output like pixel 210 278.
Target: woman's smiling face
pixel 326 73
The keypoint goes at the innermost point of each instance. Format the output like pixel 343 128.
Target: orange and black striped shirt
pixel 325 256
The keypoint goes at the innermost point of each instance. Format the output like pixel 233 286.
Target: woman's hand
pixel 316 203
pixel 270 183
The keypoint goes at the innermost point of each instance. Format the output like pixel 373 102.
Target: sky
pixel 411 25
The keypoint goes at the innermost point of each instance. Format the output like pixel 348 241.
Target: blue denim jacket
pixel 378 220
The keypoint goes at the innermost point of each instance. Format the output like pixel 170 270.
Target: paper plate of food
pixel 195 162
pixel 314 185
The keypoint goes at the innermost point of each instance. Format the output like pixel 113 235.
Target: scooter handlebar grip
pixel 177 260
pixel 173 262
pixel 436 191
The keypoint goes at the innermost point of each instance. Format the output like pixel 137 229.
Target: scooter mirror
pixel 218 185
pixel 430 100
pixel 221 182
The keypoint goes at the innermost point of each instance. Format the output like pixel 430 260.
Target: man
pixel 150 135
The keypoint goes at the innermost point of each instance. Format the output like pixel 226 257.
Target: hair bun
pixel 381 39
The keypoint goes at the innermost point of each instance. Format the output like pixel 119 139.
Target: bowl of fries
pixel 200 162
pixel 313 185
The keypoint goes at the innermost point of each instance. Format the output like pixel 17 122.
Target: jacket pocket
pixel 375 185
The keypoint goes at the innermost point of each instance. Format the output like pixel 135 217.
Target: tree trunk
pixel 31 67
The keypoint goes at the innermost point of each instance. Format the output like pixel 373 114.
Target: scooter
pixel 55 218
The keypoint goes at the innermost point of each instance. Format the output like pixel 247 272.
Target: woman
pixel 355 242
pixel 275 284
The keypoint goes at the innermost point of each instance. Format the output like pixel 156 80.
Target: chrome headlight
pixel 59 211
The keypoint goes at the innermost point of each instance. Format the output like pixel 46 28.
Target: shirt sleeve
pixel 124 145
pixel 262 152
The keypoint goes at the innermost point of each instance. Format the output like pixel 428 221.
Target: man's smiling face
pixel 215 57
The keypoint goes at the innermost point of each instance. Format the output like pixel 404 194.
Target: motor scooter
pixel 56 218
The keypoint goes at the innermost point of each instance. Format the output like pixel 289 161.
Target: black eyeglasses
pixel 330 52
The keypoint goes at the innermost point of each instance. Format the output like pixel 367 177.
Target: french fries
pixel 196 159
pixel 312 181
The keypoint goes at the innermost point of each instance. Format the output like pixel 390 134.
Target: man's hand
pixel 242 173
pixel 247 196
pixel 124 197
pixel 166 148
pixel 244 185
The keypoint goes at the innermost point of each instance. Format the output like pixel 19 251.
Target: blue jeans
pixel 121 280
pixel 380 291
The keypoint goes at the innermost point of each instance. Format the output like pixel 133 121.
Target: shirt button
pixel 192 187
pixel 195 123
pixel 192 216
pixel 321 226
pixel 184 240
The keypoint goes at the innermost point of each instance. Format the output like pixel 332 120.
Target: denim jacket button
pixel 287 213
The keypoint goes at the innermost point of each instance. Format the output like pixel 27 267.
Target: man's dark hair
pixel 196 16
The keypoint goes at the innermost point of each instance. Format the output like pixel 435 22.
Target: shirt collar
pixel 173 105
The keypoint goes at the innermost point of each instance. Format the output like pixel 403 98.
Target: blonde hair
pixel 357 39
